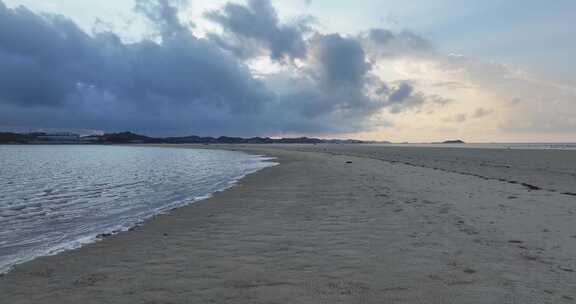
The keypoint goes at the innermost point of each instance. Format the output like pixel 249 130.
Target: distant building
pixel 59 138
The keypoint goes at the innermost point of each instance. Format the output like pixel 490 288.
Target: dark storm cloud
pixel 342 83
pixel 340 72
pixel 38 55
pixel 332 88
pixel 403 91
pixel 258 22
pixel 341 61
pixel 164 16
pixel 53 74
pixel 404 97
pixel 47 61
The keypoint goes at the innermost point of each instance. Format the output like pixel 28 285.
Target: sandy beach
pixel 342 224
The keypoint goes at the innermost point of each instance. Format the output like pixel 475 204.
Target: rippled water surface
pixel 58 197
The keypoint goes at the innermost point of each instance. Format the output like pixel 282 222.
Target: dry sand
pixel 323 227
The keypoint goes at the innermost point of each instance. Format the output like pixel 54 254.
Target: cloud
pixel 403 91
pixel 61 70
pixel 37 59
pixel 526 102
pixel 481 112
pixel 340 83
pixel 527 106
pixel 458 118
pixel 173 82
pixel 163 15
pixel 340 61
pixel 383 43
pixel 256 25
pixel 464 117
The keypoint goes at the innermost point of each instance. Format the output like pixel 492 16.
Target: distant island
pixel 133 138
pixel 457 141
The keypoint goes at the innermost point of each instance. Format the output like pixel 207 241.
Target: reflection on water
pixel 58 197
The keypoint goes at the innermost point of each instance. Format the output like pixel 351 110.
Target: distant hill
pixel 128 137
pixel 133 138
pixel 457 141
pixel 14 138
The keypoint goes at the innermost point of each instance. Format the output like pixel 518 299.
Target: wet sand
pixel 337 224
pixel 552 170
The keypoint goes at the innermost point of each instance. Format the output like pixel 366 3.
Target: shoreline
pixel 112 231
pixel 546 170
pixel 328 228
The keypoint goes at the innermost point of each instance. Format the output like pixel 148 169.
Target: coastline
pixel 337 226
pixel 547 170
pixel 109 231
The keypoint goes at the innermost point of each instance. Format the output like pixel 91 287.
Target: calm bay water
pixel 54 198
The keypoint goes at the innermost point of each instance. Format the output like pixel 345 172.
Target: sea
pixel 519 146
pixel 55 198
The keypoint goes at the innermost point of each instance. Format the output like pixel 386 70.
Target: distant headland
pixel 456 141
pixel 133 138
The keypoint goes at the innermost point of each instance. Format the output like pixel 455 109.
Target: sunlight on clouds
pixel 490 102
pixel 316 75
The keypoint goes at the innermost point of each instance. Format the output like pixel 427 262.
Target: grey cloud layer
pixel 52 74
pixel 256 24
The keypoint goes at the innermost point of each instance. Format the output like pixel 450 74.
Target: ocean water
pixel 520 146
pixel 54 198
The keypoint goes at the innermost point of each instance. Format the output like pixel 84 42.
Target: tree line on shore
pixel 129 137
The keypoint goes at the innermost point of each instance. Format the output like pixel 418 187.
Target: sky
pixel 398 70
